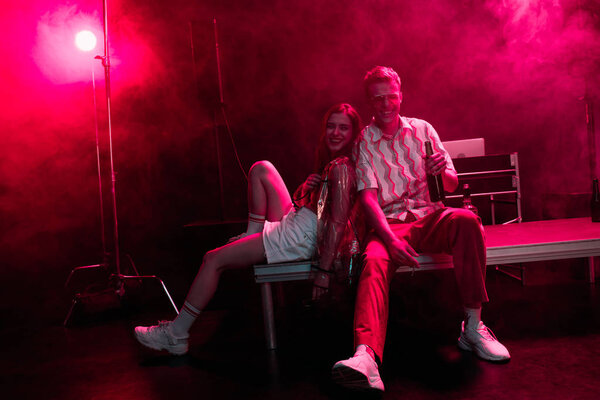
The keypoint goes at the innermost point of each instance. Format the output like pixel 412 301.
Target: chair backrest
pixel 465 148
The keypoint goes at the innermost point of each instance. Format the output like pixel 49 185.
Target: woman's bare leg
pixel 268 197
pixel 240 254
pixel 267 193
pixel 173 336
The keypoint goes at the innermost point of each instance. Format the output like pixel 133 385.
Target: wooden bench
pixel 513 243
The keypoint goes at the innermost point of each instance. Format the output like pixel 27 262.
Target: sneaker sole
pixel 464 345
pixel 154 346
pixel 351 379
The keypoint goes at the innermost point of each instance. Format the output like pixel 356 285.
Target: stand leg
pixel 124 277
pixel 77 297
pixel 592 270
pixel 85 267
pixel 73 304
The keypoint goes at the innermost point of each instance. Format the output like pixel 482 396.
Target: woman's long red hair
pixel 323 156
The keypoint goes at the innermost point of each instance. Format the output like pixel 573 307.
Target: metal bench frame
pixel 265 274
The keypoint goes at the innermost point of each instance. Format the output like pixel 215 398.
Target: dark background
pixel 512 72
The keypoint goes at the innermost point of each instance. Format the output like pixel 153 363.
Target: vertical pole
pixel 220 108
pixel 106 64
pixel 591 133
pixel 219 167
pixel 99 167
pixel 218 57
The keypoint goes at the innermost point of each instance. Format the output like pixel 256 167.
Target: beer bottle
pixel 434 182
pixel 467 204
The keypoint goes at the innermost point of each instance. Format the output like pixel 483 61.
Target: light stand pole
pixel 217 105
pixel 591 132
pixel 116 279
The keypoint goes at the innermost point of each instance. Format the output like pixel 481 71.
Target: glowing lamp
pixel 85 41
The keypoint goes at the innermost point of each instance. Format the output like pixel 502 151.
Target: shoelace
pixel 487 334
pixel 163 329
pixel 163 324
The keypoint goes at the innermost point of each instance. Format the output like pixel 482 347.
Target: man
pixel 391 169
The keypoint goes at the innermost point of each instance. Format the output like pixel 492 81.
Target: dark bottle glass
pixel 434 182
pixel 595 204
pixel 467 204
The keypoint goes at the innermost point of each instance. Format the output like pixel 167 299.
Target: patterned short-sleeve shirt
pixel 396 167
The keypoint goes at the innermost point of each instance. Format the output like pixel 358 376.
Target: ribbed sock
pixel 255 223
pixel 184 321
pixel 472 317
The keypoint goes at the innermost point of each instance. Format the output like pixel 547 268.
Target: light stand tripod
pixel 116 280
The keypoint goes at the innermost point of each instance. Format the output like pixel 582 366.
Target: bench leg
pixel 268 316
pixel 592 271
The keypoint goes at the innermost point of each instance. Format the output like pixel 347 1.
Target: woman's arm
pixel 342 188
pixel 302 194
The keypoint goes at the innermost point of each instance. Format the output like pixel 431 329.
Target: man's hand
pixel 313 181
pixel 402 253
pixel 435 164
pixel 399 250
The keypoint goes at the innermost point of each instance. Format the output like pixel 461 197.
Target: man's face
pixel 385 98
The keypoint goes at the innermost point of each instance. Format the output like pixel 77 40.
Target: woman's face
pixel 338 132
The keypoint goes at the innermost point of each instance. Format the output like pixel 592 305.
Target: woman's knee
pixel 212 261
pixel 261 168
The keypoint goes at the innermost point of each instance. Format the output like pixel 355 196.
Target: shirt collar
pixel 377 134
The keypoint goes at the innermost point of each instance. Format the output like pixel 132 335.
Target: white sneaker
pixel 359 372
pixel 483 342
pixel 159 337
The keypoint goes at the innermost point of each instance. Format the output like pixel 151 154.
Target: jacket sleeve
pixel 341 182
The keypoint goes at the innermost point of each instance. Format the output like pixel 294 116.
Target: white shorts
pixel 293 238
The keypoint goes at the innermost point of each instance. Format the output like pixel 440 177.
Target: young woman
pixel 279 228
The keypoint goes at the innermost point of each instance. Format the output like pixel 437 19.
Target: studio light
pixel 85 41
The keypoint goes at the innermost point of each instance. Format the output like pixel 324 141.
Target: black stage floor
pixel 552 331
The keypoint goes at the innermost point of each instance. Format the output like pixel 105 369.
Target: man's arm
pixel 400 251
pixel 450 179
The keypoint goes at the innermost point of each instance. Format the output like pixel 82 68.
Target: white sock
pixel 361 347
pixel 184 321
pixel 472 317
pixel 255 223
pixel 366 349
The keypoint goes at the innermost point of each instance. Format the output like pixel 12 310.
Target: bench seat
pixel 512 243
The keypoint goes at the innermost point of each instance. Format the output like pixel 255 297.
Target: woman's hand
pixel 320 285
pixel 313 181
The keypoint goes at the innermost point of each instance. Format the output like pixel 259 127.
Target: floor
pixel 552 331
